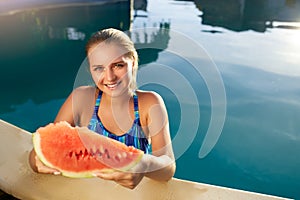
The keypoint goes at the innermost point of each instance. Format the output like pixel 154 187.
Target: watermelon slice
pixel 79 152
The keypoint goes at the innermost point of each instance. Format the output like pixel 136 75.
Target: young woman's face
pixel 110 69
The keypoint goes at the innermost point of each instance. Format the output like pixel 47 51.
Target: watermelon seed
pixel 106 153
pixel 92 152
pixel 86 153
pixel 78 155
pixel 117 158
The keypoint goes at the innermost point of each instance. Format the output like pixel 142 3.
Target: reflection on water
pixel 150 41
pixel 255 47
pixel 241 15
pixel 41 49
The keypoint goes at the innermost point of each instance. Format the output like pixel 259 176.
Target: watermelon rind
pixel 84 174
pixel 38 150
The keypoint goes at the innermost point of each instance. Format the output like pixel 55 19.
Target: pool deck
pixel 18 179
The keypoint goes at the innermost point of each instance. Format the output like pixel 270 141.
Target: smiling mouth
pixel 112 86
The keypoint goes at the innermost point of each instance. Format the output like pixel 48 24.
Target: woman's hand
pixel 38 166
pixel 127 179
pixel 158 168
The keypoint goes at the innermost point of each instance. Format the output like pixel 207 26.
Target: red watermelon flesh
pixel 79 152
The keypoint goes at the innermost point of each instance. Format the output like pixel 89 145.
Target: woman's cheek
pixel 97 78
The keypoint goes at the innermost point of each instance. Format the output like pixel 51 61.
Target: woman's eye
pixel 119 65
pixel 99 68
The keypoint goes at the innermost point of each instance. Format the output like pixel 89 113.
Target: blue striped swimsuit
pixel 134 137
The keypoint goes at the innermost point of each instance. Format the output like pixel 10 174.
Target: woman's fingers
pixel 106 176
pixel 126 179
pixel 113 176
pixel 44 169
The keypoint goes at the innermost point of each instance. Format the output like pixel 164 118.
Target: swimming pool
pixel 250 55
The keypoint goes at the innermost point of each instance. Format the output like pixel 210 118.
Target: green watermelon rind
pixel 85 174
pixel 38 150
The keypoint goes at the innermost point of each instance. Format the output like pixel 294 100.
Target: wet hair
pixel 118 37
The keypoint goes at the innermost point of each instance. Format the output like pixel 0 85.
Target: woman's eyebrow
pixel 117 62
pixel 97 65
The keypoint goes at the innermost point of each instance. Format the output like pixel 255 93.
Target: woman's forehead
pixel 106 53
pixel 107 48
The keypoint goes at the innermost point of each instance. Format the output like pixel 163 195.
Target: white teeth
pixel 111 85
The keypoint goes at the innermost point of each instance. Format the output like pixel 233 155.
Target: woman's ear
pixel 133 65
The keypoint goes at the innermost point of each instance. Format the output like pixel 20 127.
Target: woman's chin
pixel 116 92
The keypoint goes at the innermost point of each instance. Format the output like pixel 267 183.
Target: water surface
pixel 253 44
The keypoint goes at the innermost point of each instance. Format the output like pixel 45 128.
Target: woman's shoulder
pixel 83 95
pixel 84 90
pixel 87 88
pixel 82 101
pixel 149 97
pixel 151 106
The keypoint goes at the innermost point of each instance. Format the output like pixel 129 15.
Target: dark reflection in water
pixel 146 48
pixel 241 15
pixel 42 49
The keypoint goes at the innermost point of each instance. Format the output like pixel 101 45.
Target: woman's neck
pixel 119 101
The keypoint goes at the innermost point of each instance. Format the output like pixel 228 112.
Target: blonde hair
pixel 118 37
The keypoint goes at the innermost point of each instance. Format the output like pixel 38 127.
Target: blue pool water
pixel 229 72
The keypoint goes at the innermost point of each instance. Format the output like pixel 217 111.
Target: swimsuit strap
pixel 136 109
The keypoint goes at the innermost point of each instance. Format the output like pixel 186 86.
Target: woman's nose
pixel 110 74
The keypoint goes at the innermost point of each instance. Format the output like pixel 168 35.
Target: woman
pixel 115 108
